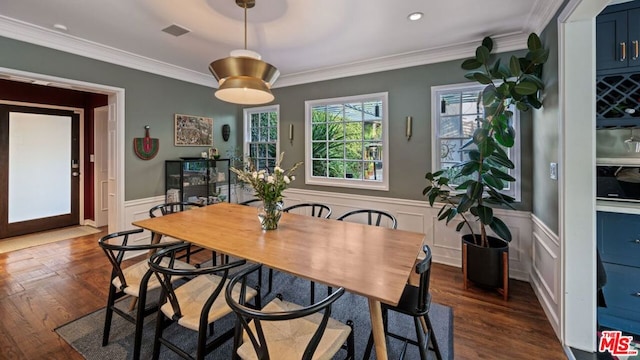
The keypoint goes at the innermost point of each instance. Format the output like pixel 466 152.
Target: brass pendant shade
pixel 242 77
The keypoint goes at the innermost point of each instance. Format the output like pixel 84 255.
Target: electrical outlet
pixel 553 171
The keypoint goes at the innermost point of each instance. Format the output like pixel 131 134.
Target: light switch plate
pixel 553 171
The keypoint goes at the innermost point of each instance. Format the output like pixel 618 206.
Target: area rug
pixel 46 237
pixel 85 334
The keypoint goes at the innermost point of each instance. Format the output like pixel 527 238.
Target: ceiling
pixel 306 40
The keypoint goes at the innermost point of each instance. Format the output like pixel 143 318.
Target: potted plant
pixel 485 173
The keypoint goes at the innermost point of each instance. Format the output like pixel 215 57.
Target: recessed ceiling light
pixel 60 27
pixel 415 16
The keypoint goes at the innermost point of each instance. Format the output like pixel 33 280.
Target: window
pixel 346 142
pixel 261 136
pixel 454 112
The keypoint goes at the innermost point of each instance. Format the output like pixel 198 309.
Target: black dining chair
pixel 255 203
pixel 251 202
pixel 286 331
pixel 134 280
pixel 370 217
pixel 196 304
pixel 315 209
pixel 174 207
pixel 414 302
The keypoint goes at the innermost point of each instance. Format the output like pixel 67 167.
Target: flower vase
pixel 269 214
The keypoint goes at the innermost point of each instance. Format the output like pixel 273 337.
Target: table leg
pixel 375 311
pixel 156 238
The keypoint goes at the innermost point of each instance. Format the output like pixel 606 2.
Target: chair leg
pixel 422 342
pixel 202 344
pixel 237 339
pixel 367 352
pixel 351 343
pixel 270 280
pixel 108 315
pixel 156 339
pixel 137 340
pixel 432 336
pixel 313 292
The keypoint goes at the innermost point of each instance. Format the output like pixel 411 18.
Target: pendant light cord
pixel 245 25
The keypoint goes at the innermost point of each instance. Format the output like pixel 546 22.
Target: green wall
pixel 409 95
pixel 153 100
pixel 546 136
pixel 149 100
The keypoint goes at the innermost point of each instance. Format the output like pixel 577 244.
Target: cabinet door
pixel 619 238
pixel 195 187
pixel 622 297
pixel 612 48
pixel 633 33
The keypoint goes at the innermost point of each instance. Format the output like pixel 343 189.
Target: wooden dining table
pixel 371 261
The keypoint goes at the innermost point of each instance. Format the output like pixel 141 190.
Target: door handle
pixel 635 49
pixel 623 51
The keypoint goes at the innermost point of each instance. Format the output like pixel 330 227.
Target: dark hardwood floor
pixel 49 285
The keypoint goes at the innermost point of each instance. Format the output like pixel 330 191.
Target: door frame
pixel 97 152
pixel 116 145
pixel 80 112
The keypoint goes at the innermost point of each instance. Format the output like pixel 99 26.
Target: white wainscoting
pixel 545 272
pixel 418 216
pixel 412 215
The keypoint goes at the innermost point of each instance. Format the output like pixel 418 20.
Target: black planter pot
pixel 486 266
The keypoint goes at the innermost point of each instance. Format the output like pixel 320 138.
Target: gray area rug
pixel 85 333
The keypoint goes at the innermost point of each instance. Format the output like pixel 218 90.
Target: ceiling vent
pixel 176 30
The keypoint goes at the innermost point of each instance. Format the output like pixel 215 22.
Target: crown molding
pixel 19 30
pixel 541 14
pixel 505 43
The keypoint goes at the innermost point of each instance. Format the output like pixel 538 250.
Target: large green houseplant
pixel 516 84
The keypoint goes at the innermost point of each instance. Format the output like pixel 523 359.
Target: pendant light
pixel 243 77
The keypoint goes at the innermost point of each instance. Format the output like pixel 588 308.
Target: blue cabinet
pixel 618 66
pixel 619 247
pixel 618 40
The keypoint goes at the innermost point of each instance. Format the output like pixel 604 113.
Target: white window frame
pixel 247 112
pixel 513 152
pixel 340 182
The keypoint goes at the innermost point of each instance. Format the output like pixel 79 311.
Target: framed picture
pixel 193 130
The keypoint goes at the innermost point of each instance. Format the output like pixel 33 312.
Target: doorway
pixel 115 130
pixel 39 174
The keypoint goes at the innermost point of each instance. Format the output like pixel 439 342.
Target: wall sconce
pixel 409 121
pixel 291 133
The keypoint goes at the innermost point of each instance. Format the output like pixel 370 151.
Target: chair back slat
pixel 379 217
pixel 173 207
pixel 115 252
pixel 317 210
pixel 423 268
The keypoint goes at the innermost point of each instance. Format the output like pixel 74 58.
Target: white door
pixel 40 169
pixel 100 166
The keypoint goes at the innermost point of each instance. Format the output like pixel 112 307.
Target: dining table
pixel 371 261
